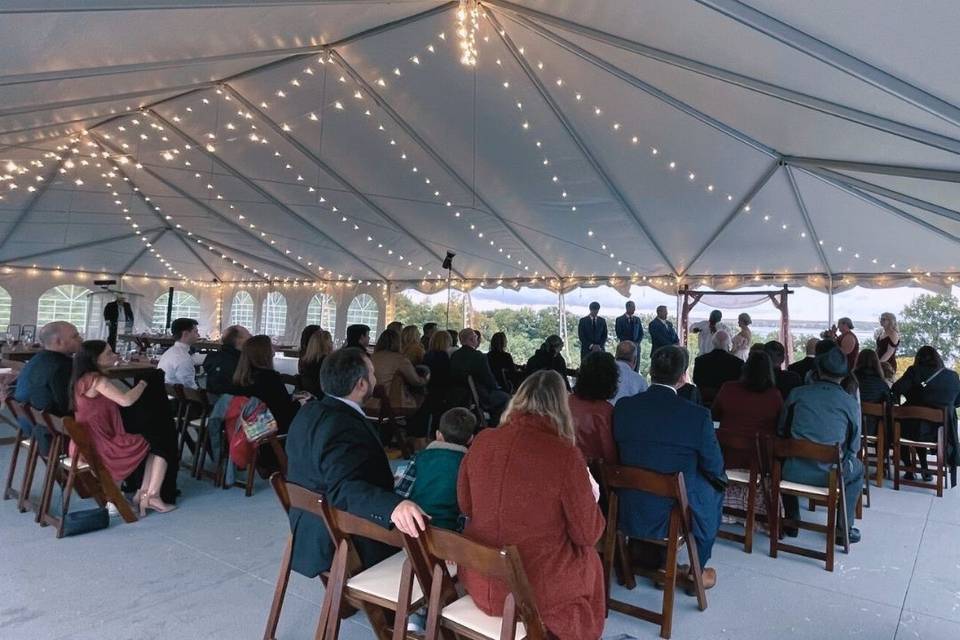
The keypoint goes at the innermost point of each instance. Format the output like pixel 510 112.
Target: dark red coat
pixel 522 484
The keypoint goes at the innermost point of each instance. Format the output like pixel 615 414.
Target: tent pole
pixel 830 299
pixel 814 238
pixel 81 245
pixel 900 171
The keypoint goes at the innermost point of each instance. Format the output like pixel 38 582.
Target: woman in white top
pixel 741 342
pixel 705 329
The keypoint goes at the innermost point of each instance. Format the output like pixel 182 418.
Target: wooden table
pixel 129 370
pixel 21 355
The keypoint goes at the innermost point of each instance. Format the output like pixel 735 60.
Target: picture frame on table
pixel 28 333
pixel 13 333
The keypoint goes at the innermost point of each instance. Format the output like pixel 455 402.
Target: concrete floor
pixel 207 571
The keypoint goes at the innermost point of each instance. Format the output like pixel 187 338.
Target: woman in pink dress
pixel 97 403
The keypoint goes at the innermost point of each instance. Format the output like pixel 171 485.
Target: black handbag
pixel 79 522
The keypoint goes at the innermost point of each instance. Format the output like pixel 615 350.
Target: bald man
pixel 468 361
pixel 44 381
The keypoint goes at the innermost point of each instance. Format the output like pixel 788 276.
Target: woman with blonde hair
pixel 888 339
pixel 740 345
pixel 526 484
pixel 319 346
pixel 410 345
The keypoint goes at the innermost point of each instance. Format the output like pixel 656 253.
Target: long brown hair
pixel 319 346
pixel 868 360
pixel 544 394
pixel 257 353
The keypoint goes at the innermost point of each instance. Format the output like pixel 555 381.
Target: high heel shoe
pixel 144 502
pixel 153 501
pixel 135 500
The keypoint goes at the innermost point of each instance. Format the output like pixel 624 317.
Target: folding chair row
pixel 928 452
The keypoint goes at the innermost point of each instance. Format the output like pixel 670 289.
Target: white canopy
pixel 329 140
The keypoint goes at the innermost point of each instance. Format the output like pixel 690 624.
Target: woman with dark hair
pixel 396 373
pixel 319 347
pixel 96 403
pixel 870 377
pixel 928 383
pixel 501 362
pixel 305 336
pixel 256 377
pixel 592 414
pixel 548 358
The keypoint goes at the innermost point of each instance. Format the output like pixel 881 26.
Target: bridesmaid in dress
pixel 889 340
pixel 96 403
pixel 740 345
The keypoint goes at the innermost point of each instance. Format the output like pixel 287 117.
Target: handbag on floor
pixel 79 522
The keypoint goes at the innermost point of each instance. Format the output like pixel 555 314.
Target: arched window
pixel 273 315
pixel 322 310
pixel 185 305
pixel 241 311
pixel 364 310
pixel 4 310
pixel 67 303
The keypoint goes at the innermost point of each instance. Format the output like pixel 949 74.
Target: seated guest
pixel 717 366
pixel 824 413
pixel 501 362
pixel 437 359
pixel 333 449
pixel 429 328
pixel 318 347
pixel 358 335
pixel 221 366
pixel 467 361
pixel 659 431
pixel 690 392
pixel 402 381
pixel 590 406
pixel 870 378
pixel 849 383
pixel 526 484
pixel 437 468
pixel 396 325
pixel 927 383
pixel 44 381
pixel 786 381
pixel 803 367
pixel 176 362
pixel 255 377
pixel 410 345
pixel 549 358
pixel 96 404
pixel 631 383
pixel 305 335
pixel 453 340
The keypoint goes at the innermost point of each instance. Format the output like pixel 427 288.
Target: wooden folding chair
pixel 389 418
pixel 832 495
pixel 742 445
pixel 431 555
pixel 680 533
pixel 869 412
pixel 26 446
pixel 196 410
pixel 918 448
pixel 275 442
pixel 477 408
pixel 58 447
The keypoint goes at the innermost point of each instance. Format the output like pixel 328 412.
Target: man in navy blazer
pixel 334 450
pixel 660 431
pixel 661 330
pixel 592 331
pixel 629 327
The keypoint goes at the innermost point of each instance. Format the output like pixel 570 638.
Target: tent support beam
pixel 34 200
pixel 751 194
pixel 807 221
pixel 82 245
pixel 265 194
pixel 578 140
pixel 295 266
pixel 83 102
pixel 921 173
pixel 325 167
pixel 435 155
pixel 647 88
pixel 929 138
pixel 146 247
pixel 828 54
pixel 239 252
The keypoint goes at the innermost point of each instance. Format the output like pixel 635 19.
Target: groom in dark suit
pixel 592 332
pixel 332 449
pixel 629 327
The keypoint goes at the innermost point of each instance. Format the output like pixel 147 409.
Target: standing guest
pixel 631 383
pixel 740 344
pixel 661 330
pixel 358 335
pixel 467 361
pixel 549 358
pixel 717 366
pixel 96 404
pixel 846 339
pixel 410 345
pixel 927 383
pixel 334 450
pixel 256 377
pixel 786 381
pixel 396 373
pixel 501 362
pixel 824 413
pixel 319 347
pixel 526 484
pixel 44 381
pixel 176 362
pixel 428 330
pixel 305 335
pixel 437 468
pixel 591 409
pixel 629 327
pixel 592 331
pixel 221 366
pixel 396 325
pixel 662 432
pixel 889 340
pixel 805 366
pixel 706 329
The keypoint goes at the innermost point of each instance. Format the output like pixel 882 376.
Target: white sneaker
pixel 112 510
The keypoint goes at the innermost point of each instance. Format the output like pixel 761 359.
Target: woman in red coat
pixel 526 484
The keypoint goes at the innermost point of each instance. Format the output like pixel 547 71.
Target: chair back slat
pixel 18 409
pixel 665 485
pixel 340 522
pixel 197 396
pixel 791 448
pixel 912 412
pixel 875 409
pixel 52 422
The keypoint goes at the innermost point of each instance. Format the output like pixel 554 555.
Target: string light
pixel 468 14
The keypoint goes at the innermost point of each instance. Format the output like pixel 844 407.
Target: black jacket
pixel 333 450
pixel 787 381
pixel 219 367
pixel 111 312
pixel 468 361
pixel 940 391
pixel 44 382
pixel 802 367
pixel 712 369
pixel 543 360
pixel 152 417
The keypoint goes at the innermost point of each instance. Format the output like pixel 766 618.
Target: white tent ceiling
pixel 333 140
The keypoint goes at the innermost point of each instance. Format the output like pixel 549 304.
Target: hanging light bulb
pixel 468 15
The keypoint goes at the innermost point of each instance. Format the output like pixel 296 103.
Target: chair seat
pixel 466 614
pixel 66 461
pixel 195 423
pixel 741 476
pixel 382 580
pixel 25 443
pixel 786 485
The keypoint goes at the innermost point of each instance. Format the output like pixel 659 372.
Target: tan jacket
pixel 398 376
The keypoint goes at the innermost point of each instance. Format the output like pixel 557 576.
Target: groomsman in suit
pixel 661 330
pixel 592 331
pixel 629 327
